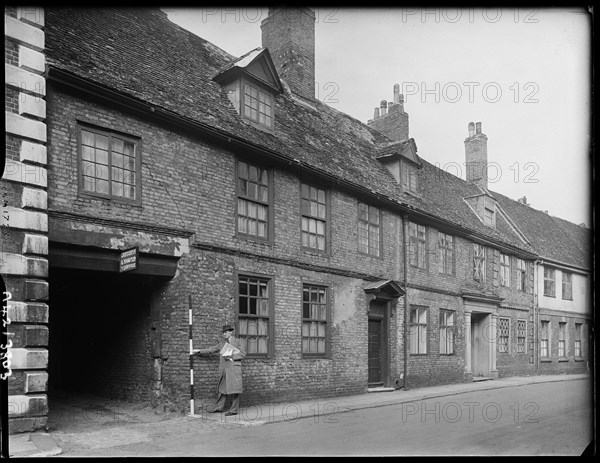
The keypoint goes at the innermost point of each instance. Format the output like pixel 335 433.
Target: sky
pixel 523 73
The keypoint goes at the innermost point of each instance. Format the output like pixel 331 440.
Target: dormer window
pixel 489 212
pixel 409 176
pixel 251 83
pixel 258 105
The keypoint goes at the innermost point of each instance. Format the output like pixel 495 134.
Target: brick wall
pixel 24 247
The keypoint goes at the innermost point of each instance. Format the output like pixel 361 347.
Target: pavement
pixel 131 428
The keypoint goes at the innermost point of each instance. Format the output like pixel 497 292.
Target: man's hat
pixel 228 328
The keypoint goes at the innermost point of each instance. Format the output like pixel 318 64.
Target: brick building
pixel 345 261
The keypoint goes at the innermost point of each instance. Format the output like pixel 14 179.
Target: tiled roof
pixel 552 238
pixel 138 52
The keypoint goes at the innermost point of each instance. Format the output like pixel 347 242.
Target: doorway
pixel 377 344
pixel 480 344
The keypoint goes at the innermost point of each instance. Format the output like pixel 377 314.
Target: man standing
pixel 230 371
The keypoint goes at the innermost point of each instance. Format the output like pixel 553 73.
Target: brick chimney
pixel 476 155
pixel 289 35
pixel 390 118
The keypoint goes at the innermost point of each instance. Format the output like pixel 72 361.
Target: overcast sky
pixel 524 74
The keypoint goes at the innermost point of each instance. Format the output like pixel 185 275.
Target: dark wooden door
pixel 375 338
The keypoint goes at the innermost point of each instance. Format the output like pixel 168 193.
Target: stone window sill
pixel 546 360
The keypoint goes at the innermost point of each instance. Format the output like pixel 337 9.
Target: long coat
pixel 230 372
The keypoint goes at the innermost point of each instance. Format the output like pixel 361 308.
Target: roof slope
pixel 553 238
pixel 140 53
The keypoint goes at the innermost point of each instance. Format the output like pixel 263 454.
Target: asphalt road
pixel 538 419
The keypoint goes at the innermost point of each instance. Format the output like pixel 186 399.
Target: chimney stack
pixel 289 35
pixel 390 119
pixel 476 155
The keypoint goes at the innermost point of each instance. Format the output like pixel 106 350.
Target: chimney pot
pixel 383 106
pixel 376 114
pixel 396 93
pixel 478 127
pixel 471 129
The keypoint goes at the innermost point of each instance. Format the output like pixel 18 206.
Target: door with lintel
pixel 377 343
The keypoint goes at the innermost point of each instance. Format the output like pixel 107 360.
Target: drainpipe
pixel 405 257
pixel 536 314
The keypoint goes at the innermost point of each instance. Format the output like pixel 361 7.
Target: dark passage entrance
pixel 375 352
pixel 100 340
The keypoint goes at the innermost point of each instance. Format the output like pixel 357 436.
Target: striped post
pixel 191 361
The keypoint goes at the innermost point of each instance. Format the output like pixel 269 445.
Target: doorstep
pixel 482 378
pixel 380 389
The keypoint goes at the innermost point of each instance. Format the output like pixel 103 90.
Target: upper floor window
pixel 110 164
pixel 417 245
pixel 489 212
pixel 368 229
pixel 446 250
pixel 258 105
pixel 315 308
pixel 504 270
pixel 521 275
pixel 567 286
pixel 478 262
pixel 409 177
pixel 314 217
pixel 253 200
pixel 254 314
pixel 549 287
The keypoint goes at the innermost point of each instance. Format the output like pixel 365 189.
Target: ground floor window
pixel 446 332
pixel 562 342
pixel 254 310
pixel 544 338
pixel 314 320
pixel 521 336
pixel 503 334
pixel 418 330
pixel 578 352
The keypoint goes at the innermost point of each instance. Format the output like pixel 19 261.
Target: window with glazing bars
pixel 446 251
pixel 521 336
pixel 258 105
pixel 418 330
pixel 478 262
pixel 253 200
pixel 504 270
pixel 503 334
pixel 549 282
pixel 562 342
pixel 314 320
pixel 254 314
pixel 544 338
pixel 409 177
pixel 577 344
pixel 446 332
pixel 368 229
pixel 567 286
pixel 417 245
pixel 314 217
pixel 521 275
pixel 110 164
